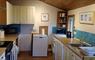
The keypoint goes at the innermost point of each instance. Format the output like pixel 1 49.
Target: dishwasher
pixel 40 45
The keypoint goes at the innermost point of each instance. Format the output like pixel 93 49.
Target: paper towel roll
pixel 43 31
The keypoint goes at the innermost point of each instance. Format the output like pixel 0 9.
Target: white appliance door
pixel 24 42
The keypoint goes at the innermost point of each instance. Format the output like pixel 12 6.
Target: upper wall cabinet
pixel 2 3
pixel 2 17
pixel 23 15
pixel 2 12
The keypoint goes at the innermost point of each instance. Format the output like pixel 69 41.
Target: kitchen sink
pixel 79 45
pixel 90 51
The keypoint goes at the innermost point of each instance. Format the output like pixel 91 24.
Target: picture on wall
pixel 44 17
pixel 86 17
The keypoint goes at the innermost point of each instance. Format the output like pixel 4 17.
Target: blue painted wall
pixel 85 36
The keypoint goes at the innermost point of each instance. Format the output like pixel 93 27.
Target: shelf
pixel 61 19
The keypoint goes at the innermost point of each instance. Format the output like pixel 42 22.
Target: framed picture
pixel 44 17
pixel 86 17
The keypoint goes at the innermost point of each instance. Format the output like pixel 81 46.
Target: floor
pixel 27 56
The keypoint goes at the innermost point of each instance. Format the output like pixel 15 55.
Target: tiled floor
pixel 27 56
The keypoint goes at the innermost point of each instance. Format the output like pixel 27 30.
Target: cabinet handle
pixel 40 37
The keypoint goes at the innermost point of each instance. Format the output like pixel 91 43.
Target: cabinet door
pixel 77 57
pixel 71 55
pixel 89 58
pixel 68 54
pixel 2 16
pixel 3 3
pixel 59 50
pixel 65 53
pixel 55 50
pixel 24 42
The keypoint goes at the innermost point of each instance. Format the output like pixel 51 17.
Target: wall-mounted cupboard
pixel 2 3
pixel 2 12
pixel 23 14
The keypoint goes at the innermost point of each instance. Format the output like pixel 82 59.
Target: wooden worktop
pixel 9 37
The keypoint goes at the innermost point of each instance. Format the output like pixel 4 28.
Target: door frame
pixel 74 22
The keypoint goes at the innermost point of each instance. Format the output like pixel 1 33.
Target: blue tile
pixel 85 36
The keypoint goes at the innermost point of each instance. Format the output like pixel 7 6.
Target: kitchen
pixel 22 21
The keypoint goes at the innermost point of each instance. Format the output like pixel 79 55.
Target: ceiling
pixel 63 4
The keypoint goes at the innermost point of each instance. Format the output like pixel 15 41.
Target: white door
pixel 71 25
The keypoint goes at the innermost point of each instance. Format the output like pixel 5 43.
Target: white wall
pixel 9 12
pixel 40 7
pixel 83 27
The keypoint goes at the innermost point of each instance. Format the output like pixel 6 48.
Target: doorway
pixel 71 19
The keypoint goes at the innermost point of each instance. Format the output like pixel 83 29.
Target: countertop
pixel 68 41
pixel 8 37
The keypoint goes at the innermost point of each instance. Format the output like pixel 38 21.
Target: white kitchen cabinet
pixel 65 53
pixel 89 58
pixel 2 57
pixel 77 57
pixel 70 55
pixel 58 50
pixel 40 45
pixel 62 52
pixel 24 42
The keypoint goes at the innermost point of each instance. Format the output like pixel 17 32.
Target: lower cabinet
pixel 69 55
pixel 62 52
pixel 24 42
pixel 58 50
pixel 89 58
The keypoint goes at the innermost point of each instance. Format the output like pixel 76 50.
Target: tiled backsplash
pixel 85 36
pixel 57 30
